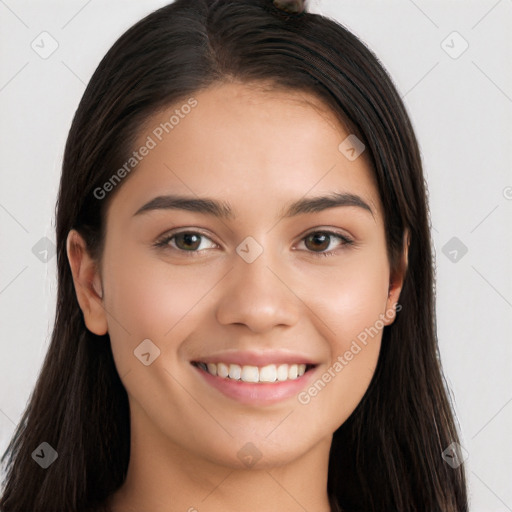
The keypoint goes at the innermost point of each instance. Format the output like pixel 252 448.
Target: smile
pixel 256 385
pixel 255 374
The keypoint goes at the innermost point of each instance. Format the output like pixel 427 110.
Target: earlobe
pixel 87 282
pixel 397 280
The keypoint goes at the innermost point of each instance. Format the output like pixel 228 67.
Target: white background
pixel 461 109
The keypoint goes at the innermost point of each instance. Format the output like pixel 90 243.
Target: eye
pixel 191 242
pixel 184 241
pixel 323 240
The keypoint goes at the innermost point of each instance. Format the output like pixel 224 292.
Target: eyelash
pixel 163 242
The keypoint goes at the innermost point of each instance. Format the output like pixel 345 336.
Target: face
pixel 260 280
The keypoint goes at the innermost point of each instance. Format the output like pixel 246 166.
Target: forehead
pixel 243 141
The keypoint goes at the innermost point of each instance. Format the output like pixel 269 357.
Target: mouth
pixel 270 373
pixel 256 378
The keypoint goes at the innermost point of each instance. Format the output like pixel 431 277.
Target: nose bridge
pixel 256 295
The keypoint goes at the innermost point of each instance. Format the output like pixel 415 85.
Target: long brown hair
pixel 387 455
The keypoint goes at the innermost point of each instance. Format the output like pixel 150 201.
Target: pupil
pixel 323 236
pixel 188 239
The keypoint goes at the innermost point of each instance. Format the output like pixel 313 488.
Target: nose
pixel 258 296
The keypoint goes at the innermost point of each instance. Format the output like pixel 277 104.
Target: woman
pixel 245 315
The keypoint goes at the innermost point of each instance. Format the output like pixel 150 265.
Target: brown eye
pixel 318 241
pixel 187 241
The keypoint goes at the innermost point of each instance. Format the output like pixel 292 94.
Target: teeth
pixel 249 374
pixel 282 372
pixel 222 370
pixel 269 373
pixel 235 371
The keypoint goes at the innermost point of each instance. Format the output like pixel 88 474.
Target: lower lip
pixel 257 393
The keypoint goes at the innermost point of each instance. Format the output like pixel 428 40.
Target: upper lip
pixel 253 358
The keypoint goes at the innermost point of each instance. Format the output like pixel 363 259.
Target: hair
pixel 388 454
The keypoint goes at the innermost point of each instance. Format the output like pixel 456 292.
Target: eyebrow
pixel 221 209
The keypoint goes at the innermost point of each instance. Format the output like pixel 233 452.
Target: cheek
pixel 351 309
pixel 353 298
pixel 149 299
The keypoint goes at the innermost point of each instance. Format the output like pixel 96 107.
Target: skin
pixel 258 152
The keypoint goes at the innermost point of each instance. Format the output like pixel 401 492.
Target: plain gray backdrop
pixel 451 62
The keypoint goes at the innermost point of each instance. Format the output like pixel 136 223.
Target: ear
pixel 87 281
pixel 396 281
